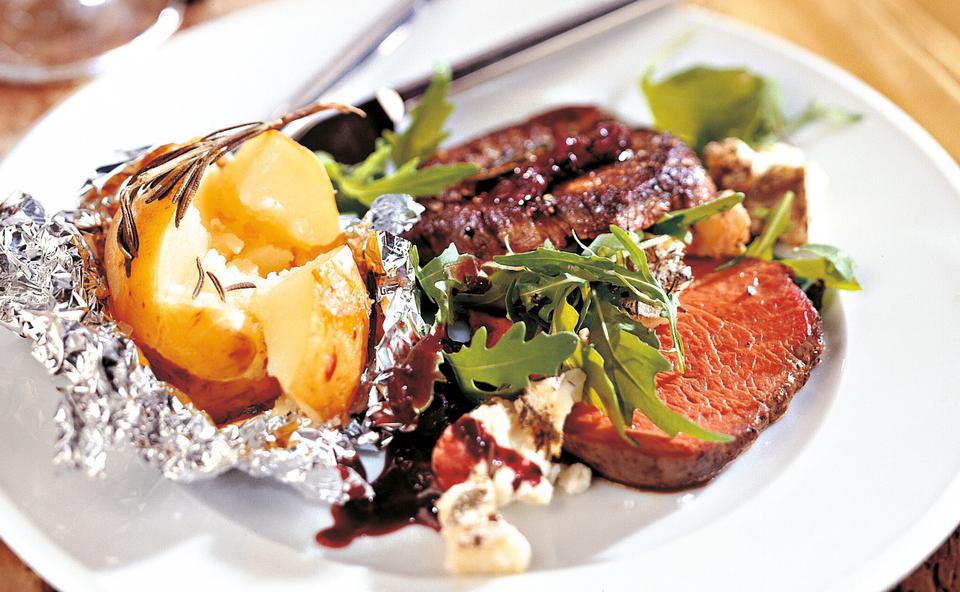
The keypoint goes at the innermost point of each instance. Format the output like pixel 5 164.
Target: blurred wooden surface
pixel 909 50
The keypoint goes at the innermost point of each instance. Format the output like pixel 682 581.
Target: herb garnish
pixel 176 174
pixel 373 177
pixel 549 294
pixel 240 286
pixel 815 263
pixel 702 104
pixel 505 368
pixel 217 286
pixel 678 222
pixel 200 279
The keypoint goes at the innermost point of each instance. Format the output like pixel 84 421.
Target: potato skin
pixel 190 334
pixel 216 350
pixel 342 326
pixel 223 401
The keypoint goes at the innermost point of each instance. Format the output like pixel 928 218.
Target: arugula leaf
pixel 618 317
pixel 632 367
pixel 437 283
pixel 505 368
pixel 364 183
pixel 637 256
pixel 777 223
pixel 425 132
pixel 545 293
pixel 417 182
pixel 668 303
pixel 567 292
pixel 373 166
pixel 702 104
pixel 349 180
pixel 678 222
pixel 588 267
pixel 605 245
pixel 593 268
pixel 597 388
pixel 372 178
pixel 827 263
pixel 817 112
pixel 823 262
pixel 501 283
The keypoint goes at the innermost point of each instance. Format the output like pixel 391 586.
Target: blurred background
pixel 909 50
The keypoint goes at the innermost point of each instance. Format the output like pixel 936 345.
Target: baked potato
pixel 253 293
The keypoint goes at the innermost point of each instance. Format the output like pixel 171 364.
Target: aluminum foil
pixel 50 293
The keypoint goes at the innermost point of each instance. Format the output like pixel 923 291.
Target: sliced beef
pixel 570 170
pixel 751 338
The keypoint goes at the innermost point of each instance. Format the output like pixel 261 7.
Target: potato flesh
pixel 315 320
pixel 156 300
pixel 297 215
pixel 217 348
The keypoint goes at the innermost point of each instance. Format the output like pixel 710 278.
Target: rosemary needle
pixel 240 286
pixel 199 286
pixel 217 285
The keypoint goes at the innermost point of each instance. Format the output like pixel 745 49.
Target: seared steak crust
pixel 570 170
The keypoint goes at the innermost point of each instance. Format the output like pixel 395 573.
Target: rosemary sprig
pixel 200 279
pixel 222 290
pixel 240 286
pixel 217 286
pixel 176 174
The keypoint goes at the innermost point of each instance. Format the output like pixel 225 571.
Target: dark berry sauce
pixel 480 445
pixel 405 493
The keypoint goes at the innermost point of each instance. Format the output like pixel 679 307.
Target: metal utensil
pixel 350 138
pixel 373 38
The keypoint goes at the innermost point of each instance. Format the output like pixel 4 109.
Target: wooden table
pixel 909 50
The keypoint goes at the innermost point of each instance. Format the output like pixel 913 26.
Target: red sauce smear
pixel 410 388
pixel 570 157
pixel 404 494
pixel 465 444
pixel 406 491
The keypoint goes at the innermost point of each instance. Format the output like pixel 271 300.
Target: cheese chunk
pixel 477 539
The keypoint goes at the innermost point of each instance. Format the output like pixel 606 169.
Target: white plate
pixel 851 489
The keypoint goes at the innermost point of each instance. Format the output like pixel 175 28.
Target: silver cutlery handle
pixel 539 44
pixel 356 53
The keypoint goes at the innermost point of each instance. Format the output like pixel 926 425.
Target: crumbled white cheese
pixel 500 421
pixel 477 539
pixel 666 262
pixel 574 479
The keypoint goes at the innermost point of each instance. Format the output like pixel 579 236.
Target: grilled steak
pixel 751 337
pixel 570 170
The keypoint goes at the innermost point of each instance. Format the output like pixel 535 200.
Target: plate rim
pixel 35 547
pixel 943 516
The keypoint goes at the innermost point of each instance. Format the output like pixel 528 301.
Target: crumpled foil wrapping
pixel 50 293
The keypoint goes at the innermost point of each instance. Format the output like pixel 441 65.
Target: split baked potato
pixel 254 294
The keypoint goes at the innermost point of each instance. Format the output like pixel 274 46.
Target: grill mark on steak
pixel 747 355
pixel 570 170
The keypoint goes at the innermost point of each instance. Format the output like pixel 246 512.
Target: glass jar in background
pixel 49 40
